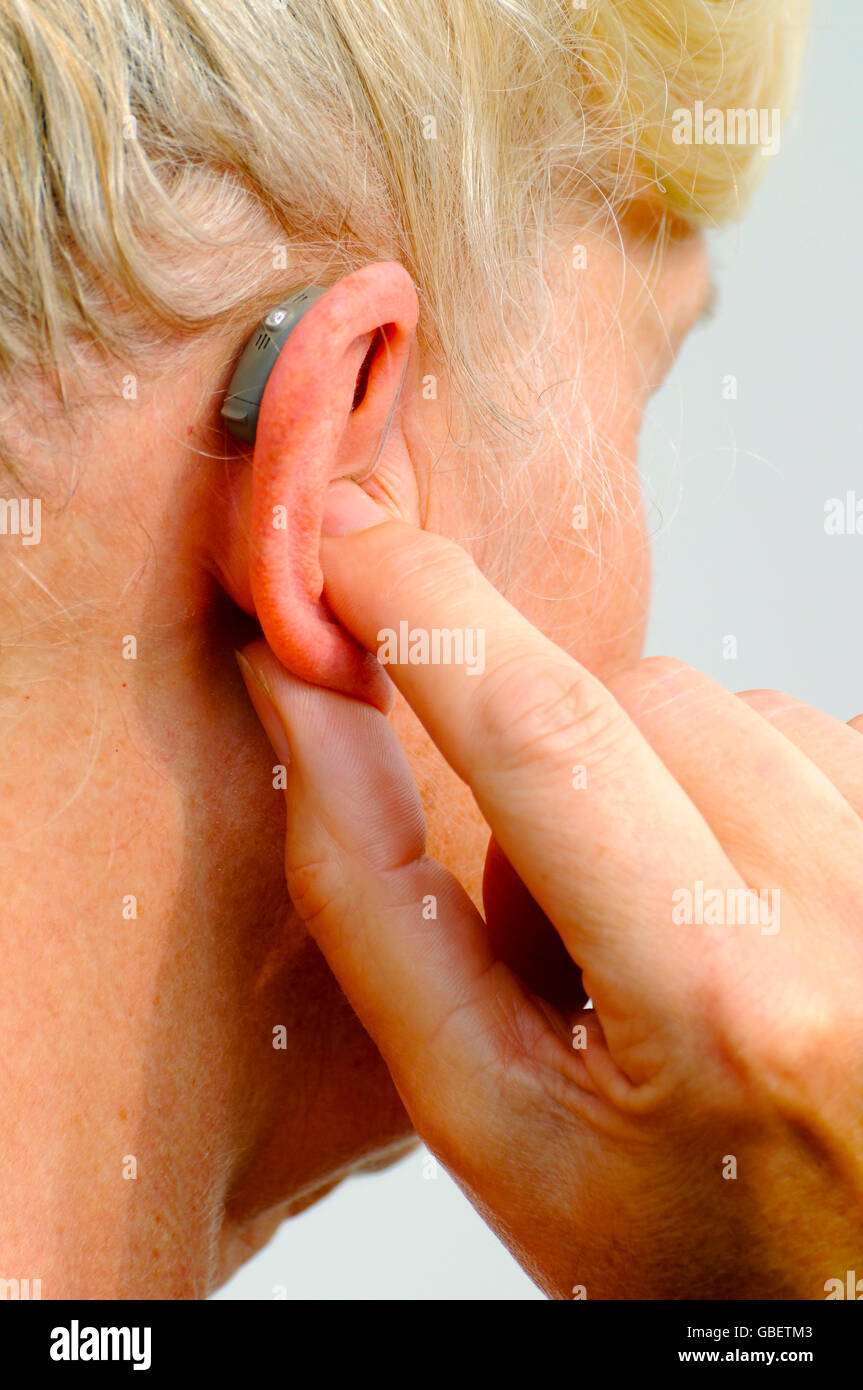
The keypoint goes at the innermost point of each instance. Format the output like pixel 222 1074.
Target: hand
pixel 699 1132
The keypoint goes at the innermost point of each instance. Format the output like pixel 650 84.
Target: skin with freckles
pixel 152 954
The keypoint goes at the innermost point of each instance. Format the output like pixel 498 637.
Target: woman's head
pixel 508 230
pixel 145 138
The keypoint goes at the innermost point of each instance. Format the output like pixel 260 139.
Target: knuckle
pixel 531 712
pixel 785 1058
pixel 663 668
pixel 770 703
pixel 637 687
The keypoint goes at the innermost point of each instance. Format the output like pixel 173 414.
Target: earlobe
pixel 329 401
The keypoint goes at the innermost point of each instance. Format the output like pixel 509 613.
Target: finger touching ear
pixel 331 410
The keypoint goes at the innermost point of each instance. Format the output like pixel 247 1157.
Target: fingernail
pixel 349 509
pixel 265 707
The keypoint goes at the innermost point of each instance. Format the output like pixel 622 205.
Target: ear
pixel 331 409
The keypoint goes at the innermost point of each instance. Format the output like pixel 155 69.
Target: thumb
pixel 399 932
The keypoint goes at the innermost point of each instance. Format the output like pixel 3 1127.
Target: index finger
pixel 588 815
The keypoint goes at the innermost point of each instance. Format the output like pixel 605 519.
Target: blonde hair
pixel 159 153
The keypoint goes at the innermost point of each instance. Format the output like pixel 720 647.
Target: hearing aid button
pixel 235 410
pixel 274 319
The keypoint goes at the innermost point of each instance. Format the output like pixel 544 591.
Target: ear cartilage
pixel 243 398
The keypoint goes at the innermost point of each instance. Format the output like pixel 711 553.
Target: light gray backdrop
pixel 736 495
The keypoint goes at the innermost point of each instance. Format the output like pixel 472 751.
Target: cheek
pixel 583 571
pixel 590 595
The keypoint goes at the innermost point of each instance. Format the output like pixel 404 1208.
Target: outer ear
pixel 327 406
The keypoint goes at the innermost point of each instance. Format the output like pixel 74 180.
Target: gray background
pixel 735 493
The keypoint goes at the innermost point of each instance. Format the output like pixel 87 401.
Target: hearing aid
pixel 243 398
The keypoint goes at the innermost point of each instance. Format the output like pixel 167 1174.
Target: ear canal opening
pixel 363 373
